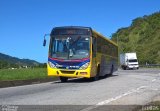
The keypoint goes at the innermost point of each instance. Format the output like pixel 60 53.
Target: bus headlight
pixel 84 66
pixel 51 65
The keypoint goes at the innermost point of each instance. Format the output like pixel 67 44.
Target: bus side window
pixel 94 46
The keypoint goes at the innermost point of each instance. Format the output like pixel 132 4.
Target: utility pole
pixel 118 49
pixel 117 38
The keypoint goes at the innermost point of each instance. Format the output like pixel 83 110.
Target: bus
pixel 76 52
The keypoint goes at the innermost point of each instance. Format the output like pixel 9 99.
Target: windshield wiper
pixel 79 37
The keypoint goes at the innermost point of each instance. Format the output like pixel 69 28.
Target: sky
pixel 23 23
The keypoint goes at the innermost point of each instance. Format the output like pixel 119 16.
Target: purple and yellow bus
pixel 80 52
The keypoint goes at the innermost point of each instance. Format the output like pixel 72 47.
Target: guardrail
pixel 150 65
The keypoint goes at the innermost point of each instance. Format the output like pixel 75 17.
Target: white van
pixel 129 61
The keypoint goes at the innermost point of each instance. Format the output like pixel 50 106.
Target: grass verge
pixel 22 74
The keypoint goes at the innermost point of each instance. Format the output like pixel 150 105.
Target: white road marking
pixel 153 80
pixel 120 96
pixel 155 89
pixel 114 99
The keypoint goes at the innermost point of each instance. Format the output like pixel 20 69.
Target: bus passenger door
pixel 94 53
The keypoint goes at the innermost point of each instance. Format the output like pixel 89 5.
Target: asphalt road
pixel 125 87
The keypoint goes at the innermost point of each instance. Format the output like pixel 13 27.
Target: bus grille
pixel 67 72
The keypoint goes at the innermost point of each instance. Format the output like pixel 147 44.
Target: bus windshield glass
pixel 69 47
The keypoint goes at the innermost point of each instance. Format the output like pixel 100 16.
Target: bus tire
pixel 95 78
pixel 63 79
pixel 112 69
pixel 124 67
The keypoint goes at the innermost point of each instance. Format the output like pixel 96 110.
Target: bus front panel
pixel 69 68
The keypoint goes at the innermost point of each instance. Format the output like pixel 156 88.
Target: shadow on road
pixel 85 80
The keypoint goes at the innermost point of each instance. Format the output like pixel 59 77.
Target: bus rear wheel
pixel 63 79
pixel 124 67
pixel 112 69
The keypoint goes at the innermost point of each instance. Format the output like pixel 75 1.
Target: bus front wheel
pixel 63 79
pixel 95 78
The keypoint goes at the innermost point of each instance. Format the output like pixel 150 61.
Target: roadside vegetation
pixel 9 62
pixel 22 74
pixel 142 37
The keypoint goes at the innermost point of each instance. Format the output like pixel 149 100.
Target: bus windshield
pixel 70 47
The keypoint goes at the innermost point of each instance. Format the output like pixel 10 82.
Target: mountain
pixel 142 37
pixel 7 61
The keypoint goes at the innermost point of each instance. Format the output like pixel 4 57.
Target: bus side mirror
pixel 44 42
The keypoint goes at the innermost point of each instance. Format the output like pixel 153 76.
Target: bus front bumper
pixel 69 73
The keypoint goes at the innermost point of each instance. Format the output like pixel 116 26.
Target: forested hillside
pixel 7 61
pixel 142 37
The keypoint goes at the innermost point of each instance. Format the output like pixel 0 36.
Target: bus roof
pixel 82 27
pixel 100 35
pixel 76 27
pixel 65 28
